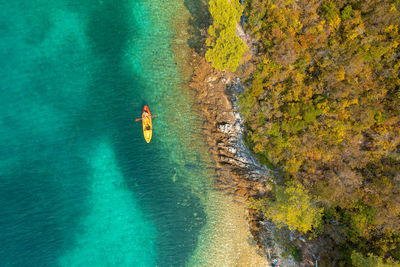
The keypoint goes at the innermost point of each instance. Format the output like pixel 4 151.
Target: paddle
pixel 151 116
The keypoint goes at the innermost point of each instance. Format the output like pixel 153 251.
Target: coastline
pixel 238 173
pixel 227 239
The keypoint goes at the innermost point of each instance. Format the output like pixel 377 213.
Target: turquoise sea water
pixel 78 184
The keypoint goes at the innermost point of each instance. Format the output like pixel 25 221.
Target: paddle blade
pixel 138 119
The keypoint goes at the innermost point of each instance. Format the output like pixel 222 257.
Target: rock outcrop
pixel 216 98
pixel 237 171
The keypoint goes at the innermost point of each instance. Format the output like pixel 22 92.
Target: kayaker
pixel 147 125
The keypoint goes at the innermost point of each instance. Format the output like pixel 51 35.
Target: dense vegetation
pixel 292 207
pixel 357 259
pixel 225 47
pixel 324 106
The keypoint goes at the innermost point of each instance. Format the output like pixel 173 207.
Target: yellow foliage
pixel 258 148
pixel 340 75
pixel 225 47
pixel 293 207
pixel 335 22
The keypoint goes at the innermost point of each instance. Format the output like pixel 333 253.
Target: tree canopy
pixel 359 260
pixel 292 207
pixel 225 47
pixel 324 105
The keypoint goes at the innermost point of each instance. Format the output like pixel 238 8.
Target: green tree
pixel 330 11
pixel 225 47
pixel 359 260
pixel 292 207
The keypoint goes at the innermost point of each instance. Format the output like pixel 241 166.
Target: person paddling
pixel 146 114
pixel 147 123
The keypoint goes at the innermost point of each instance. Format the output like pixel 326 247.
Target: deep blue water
pixel 78 184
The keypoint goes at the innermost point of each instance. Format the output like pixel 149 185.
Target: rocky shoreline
pixel 216 97
pixel 238 172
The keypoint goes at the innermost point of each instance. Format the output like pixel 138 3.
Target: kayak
pixel 147 124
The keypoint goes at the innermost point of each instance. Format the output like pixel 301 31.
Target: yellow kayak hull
pixel 147 124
